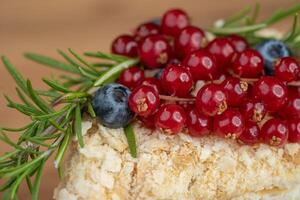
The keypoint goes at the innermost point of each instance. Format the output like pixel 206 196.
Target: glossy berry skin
pixel 253 110
pixel 144 100
pixel 110 104
pixel 173 21
pixel 170 118
pixel 275 132
pixel 248 64
pixel 211 100
pixel 271 92
pixel 202 65
pixel 189 39
pixel 236 90
pixel 292 107
pixel 223 50
pixel 154 51
pixel 271 50
pixel 229 124
pixel 153 82
pixel 287 69
pixel 251 134
pixel 146 29
pixel 176 81
pixel 198 124
pixel 124 45
pixel 294 130
pixel 239 43
pixel 132 77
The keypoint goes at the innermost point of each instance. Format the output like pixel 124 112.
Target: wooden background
pixel 43 26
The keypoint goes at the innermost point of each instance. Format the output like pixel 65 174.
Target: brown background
pixel 43 26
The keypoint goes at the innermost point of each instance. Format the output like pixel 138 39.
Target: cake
pixel 177 167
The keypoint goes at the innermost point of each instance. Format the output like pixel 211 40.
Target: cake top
pixel 227 81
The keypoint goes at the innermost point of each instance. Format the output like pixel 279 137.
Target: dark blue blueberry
pixel 111 105
pixel 155 21
pixel 158 74
pixel 271 50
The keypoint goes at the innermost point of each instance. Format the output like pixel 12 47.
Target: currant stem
pixel 171 98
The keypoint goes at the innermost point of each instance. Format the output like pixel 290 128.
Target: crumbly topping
pixel 177 167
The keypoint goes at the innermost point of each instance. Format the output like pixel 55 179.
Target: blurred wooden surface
pixel 43 26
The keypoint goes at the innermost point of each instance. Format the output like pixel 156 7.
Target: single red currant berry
pixel 253 110
pixel 236 90
pixel 287 69
pixel 132 77
pixel 202 65
pixel 248 64
pixel 271 91
pixel 170 118
pixel 229 124
pixel 198 124
pixel 173 21
pixel 176 80
pixel 146 29
pixel 211 100
pixel 153 82
pixel 240 44
pixel 124 45
pixel 154 51
pixel 144 100
pixel 148 121
pixel 294 130
pixel 251 134
pixel 223 50
pixel 274 132
pixel 292 107
pixel 189 39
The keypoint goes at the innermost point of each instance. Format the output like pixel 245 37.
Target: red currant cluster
pixel 236 97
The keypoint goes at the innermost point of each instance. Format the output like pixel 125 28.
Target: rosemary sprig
pixel 52 128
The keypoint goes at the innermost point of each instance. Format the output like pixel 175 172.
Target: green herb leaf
pixel 131 140
pixel 56 86
pixel 77 126
pixel 62 148
pixel 91 110
pixel 68 59
pixel 37 182
pixel 114 57
pixel 51 62
pixel 115 70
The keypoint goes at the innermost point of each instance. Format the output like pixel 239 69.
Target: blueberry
pixel 111 105
pixel 271 50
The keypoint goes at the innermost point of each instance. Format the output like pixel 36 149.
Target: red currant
pixel 251 134
pixel 173 21
pixel 274 132
pixel 144 100
pixel 292 107
pixel 132 77
pixel 253 110
pixel 124 45
pixel 294 130
pixel 211 100
pixel 148 121
pixel 248 64
pixel 223 50
pixel 271 91
pixel 154 51
pixel 287 69
pixel 189 39
pixel 146 29
pixel 198 124
pixel 153 82
pixel 202 65
pixel 239 43
pixel 176 80
pixel 170 118
pixel 236 90
pixel 229 124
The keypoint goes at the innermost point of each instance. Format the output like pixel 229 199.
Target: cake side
pixel 177 167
